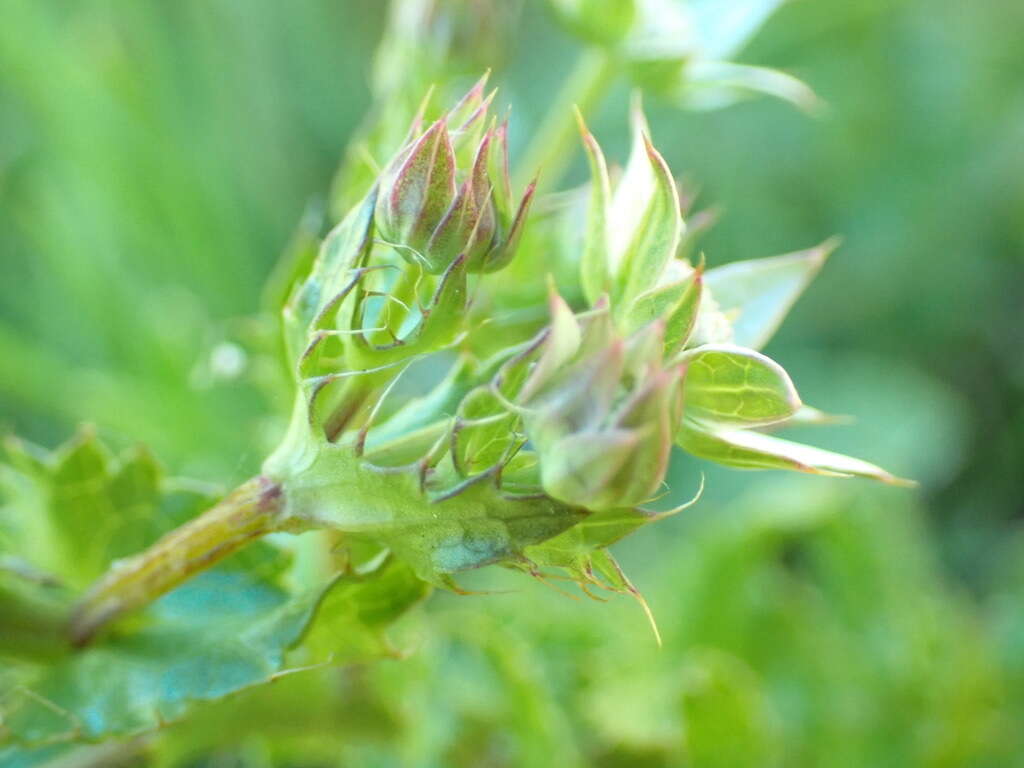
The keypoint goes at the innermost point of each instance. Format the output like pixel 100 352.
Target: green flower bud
pixel 433 211
pixel 601 411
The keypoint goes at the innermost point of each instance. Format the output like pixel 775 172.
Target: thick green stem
pixel 550 150
pixel 251 511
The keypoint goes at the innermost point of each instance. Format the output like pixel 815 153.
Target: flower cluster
pixel 446 417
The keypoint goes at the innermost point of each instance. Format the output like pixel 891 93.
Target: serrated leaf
pixel 760 292
pixel 76 510
pixel 221 632
pixel 80 509
pixel 225 630
pixel 729 385
pixel 747 449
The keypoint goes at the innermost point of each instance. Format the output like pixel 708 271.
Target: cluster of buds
pixel 599 409
pixel 393 279
pixel 542 445
pixel 447 192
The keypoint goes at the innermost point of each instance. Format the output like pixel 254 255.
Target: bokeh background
pixel 155 159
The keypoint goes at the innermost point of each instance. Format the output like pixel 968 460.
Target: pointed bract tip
pixel 528 192
pixel 686 504
pixel 649 614
pixel 553 296
pixel 480 110
pixel 637 118
pixel 602 303
pixel 580 122
pixel 421 111
pixel 827 248
pixel 652 153
pixel 900 482
pixel 476 91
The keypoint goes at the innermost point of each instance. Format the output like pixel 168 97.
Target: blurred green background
pixel 155 159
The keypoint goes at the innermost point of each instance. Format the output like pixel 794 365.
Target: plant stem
pixel 550 151
pixel 251 511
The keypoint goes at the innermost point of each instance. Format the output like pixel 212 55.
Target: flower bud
pixel 603 421
pixel 433 211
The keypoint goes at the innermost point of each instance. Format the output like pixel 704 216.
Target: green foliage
pixel 792 635
pixel 65 515
pixel 803 625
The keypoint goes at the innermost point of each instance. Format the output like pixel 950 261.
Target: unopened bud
pixel 433 211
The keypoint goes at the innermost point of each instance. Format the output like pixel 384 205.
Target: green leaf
pixel 747 449
pixel 59 755
pixel 759 293
pixel 342 250
pixel 483 432
pixel 683 319
pixel 653 304
pixel 223 631
pixel 353 617
pixel 717 84
pixel 655 239
pixel 594 260
pixel 677 302
pixel 447 309
pixel 33 613
pixel 74 511
pixel 729 385
pixel 573 549
pixel 633 192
